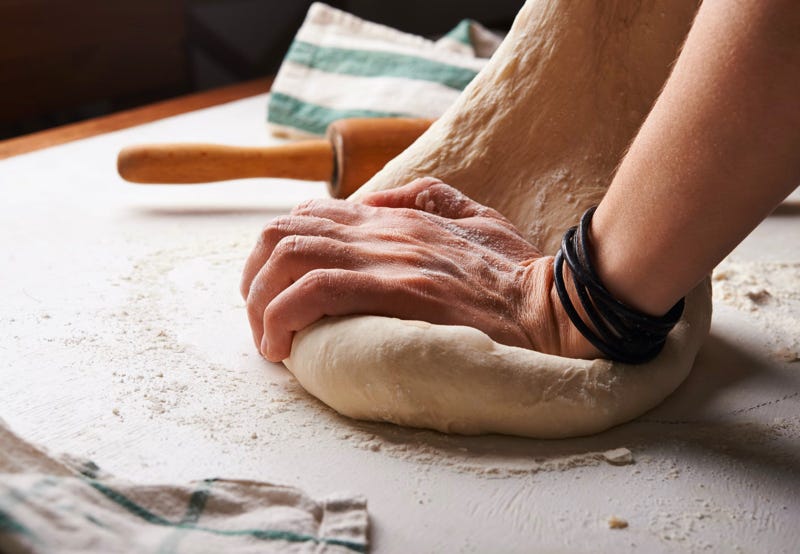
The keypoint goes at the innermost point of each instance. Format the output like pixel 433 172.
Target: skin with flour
pixel 620 60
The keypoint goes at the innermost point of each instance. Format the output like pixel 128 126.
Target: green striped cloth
pixel 61 504
pixel 341 66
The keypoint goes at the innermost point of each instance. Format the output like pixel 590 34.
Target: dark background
pixel 66 60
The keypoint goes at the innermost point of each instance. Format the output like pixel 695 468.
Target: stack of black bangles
pixel 622 333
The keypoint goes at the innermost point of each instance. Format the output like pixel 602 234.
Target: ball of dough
pixel 456 379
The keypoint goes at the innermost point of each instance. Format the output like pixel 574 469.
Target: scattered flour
pixel 156 371
pixel 770 291
pixel 169 377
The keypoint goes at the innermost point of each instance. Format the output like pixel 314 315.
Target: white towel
pixel 342 66
pixel 50 504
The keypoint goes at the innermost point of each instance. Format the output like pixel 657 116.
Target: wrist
pixel 622 332
pixel 543 318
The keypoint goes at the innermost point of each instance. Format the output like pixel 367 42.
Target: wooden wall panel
pixel 57 54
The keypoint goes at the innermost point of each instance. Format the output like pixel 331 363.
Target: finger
pixel 292 258
pixel 400 197
pixel 337 292
pixel 432 196
pixel 317 294
pixel 445 201
pixel 278 229
pixel 340 211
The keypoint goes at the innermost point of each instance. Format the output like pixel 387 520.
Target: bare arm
pixel 719 150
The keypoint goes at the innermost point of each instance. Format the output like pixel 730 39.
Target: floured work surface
pixel 123 338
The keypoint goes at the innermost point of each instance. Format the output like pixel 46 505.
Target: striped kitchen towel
pixel 50 504
pixel 341 66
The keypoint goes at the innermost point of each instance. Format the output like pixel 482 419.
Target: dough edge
pixel 456 379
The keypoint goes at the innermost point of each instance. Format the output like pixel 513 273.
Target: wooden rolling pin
pixel 353 151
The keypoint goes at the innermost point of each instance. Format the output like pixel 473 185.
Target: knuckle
pixel 253 307
pixel 271 320
pixel 289 247
pixel 321 281
pixel 307 206
pixel 276 228
pixel 255 298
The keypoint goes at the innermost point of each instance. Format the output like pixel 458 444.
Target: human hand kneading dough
pixel 716 154
pixel 423 251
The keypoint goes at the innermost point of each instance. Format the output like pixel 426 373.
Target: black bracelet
pixel 622 333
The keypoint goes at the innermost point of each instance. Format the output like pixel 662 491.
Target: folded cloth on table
pixel 50 504
pixel 342 66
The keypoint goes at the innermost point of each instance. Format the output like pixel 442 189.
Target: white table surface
pixel 123 338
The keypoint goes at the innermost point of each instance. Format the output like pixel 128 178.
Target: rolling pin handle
pixel 354 151
pixel 310 160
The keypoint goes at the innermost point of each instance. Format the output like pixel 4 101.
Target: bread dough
pixel 537 135
pixel 457 380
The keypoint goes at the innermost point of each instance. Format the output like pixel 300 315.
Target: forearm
pixel 720 149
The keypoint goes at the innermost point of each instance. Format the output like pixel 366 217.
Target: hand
pixel 423 251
